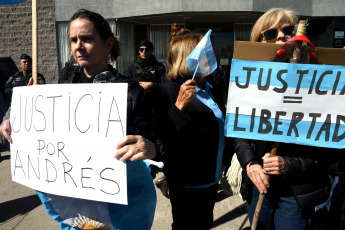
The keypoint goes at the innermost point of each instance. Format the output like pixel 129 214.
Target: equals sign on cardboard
pixel 290 99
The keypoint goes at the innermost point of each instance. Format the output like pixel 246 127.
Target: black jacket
pixel 191 137
pixel 306 173
pixel 157 76
pixel 139 117
pixel 18 79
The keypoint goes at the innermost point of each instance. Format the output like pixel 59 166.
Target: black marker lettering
pixel 336 137
pixel 264 120
pixel 249 71
pixel 38 176
pixel 67 172
pixel 82 177
pixel 117 187
pixel 279 78
pixel 268 80
pixel 47 169
pixel 236 128
pixel 295 118
pixel 116 114
pixel 326 127
pixel 301 74
pixel 75 114
pixel 277 122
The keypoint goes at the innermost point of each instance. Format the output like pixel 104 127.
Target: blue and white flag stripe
pixel 11 1
pixel 202 60
pixel 73 213
pixel 284 102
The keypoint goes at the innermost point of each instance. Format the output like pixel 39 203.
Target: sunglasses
pixel 142 49
pixel 273 33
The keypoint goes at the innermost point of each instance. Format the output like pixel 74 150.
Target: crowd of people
pixel 180 121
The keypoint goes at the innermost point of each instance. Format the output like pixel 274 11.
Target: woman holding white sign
pixel 299 178
pixel 92 43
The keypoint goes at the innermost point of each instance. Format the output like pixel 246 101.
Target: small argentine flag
pixel 202 61
pixel 11 1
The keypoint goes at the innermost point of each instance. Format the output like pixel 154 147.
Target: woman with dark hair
pixel 192 127
pixel 92 43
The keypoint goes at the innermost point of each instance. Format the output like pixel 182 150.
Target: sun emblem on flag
pixel 84 222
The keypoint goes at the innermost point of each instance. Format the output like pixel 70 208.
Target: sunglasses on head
pixel 146 49
pixel 273 33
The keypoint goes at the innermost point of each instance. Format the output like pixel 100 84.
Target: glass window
pixel 243 31
pixel 160 36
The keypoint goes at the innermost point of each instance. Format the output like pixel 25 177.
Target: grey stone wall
pixel 16 35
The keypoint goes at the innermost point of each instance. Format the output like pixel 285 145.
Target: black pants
pixel 192 208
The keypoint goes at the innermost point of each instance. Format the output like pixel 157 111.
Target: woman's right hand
pixel 6 130
pixel 185 95
pixel 257 175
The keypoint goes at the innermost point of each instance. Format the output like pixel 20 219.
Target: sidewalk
pixel 21 209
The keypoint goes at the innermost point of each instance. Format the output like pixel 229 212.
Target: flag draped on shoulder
pixel 73 213
pixel 11 1
pixel 202 61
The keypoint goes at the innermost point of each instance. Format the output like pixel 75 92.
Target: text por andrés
pixel 64 140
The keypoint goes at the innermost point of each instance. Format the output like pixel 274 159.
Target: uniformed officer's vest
pixel 151 76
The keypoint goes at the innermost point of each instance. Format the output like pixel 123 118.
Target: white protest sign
pixel 284 102
pixel 64 140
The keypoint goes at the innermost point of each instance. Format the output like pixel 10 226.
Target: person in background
pixel 191 124
pixel 299 178
pixel 146 70
pixel 70 69
pixel 92 42
pixel 21 78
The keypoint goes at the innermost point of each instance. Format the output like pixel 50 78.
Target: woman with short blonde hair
pixel 271 19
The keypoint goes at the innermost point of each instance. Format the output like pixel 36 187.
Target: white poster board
pixel 64 140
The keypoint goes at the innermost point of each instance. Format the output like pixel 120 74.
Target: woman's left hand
pixel 5 130
pixel 273 165
pixel 135 147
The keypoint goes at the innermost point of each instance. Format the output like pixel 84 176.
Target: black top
pixel 18 79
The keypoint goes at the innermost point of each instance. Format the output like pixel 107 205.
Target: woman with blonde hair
pixel 299 178
pixel 273 25
pixel 192 127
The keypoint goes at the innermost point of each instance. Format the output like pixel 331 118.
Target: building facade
pixel 230 20
pixel 134 20
pixel 16 35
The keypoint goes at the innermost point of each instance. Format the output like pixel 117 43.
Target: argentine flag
pixel 11 1
pixel 202 61
pixel 75 214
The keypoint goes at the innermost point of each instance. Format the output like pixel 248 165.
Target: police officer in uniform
pixel 21 78
pixel 146 70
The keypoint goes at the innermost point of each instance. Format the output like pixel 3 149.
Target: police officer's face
pixel 89 50
pixel 145 52
pixel 25 65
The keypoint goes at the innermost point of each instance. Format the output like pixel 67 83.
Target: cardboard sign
pixel 64 140
pixel 256 51
pixel 284 102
